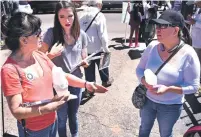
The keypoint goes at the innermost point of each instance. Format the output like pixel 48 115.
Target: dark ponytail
pixel 185 35
pixel 20 25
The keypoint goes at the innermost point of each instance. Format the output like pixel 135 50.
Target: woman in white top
pixel 178 77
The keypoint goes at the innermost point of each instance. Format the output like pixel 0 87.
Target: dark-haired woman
pixel 178 77
pixel 66 31
pixel 135 19
pixel 26 77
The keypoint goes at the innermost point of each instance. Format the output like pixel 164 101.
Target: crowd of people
pixel 27 73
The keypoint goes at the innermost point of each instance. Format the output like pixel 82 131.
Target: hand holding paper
pixel 84 63
pixel 162 89
pixel 150 77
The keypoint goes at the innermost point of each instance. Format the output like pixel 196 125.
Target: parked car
pixel 112 4
pixel 43 6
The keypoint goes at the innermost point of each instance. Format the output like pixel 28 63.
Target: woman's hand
pixel 84 63
pixel 149 87
pixel 93 87
pixel 56 50
pixel 56 103
pixel 162 89
pixel 155 89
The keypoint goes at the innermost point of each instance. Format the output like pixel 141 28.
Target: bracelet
pixel 85 85
pixel 39 111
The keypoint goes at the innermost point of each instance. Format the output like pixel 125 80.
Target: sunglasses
pixel 37 33
pixel 164 26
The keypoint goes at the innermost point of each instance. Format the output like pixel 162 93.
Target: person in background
pixel 66 45
pixel 135 20
pixel 195 21
pixel 187 9
pixel 164 102
pixel 26 77
pixel 98 40
pixel 150 29
pixel 144 12
pixel 8 9
pixel 177 5
pixel 24 6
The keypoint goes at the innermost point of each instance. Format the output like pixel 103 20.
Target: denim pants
pixel 69 111
pixel 166 115
pixel 91 69
pixel 47 132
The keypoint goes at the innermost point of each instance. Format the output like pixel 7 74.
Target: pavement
pixel 111 114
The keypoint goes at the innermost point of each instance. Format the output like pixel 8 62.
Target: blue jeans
pixel 91 69
pixel 47 132
pixel 69 110
pixel 167 116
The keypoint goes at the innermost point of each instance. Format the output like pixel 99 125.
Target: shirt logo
pixel 29 76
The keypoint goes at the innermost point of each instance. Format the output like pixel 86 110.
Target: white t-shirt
pixel 97 33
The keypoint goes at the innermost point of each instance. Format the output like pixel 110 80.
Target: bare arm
pixel 75 81
pixel 20 112
pixel 27 112
pixel 84 53
pixel 91 86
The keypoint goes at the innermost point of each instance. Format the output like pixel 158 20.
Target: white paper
pixel 150 77
pixel 71 97
pixel 59 80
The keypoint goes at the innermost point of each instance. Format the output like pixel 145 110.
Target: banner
pixel 125 15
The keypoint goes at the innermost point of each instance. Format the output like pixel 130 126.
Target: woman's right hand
pixel 149 87
pixel 56 103
pixel 56 50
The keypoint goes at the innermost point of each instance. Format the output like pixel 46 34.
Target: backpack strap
pixel 92 21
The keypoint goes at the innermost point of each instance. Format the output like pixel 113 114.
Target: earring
pixel 25 42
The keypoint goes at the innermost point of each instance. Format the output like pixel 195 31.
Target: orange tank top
pixel 31 89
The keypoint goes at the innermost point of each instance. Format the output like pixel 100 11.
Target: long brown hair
pixel 185 35
pixel 57 29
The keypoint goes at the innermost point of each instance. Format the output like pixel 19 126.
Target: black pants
pixel 142 29
pixel 91 69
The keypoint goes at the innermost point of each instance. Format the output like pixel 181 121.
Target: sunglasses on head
pixel 164 26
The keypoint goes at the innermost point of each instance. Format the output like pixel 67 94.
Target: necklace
pixel 162 47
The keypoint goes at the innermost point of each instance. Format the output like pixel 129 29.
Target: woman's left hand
pixel 162 89
pixel 84 63
pixel 93 87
